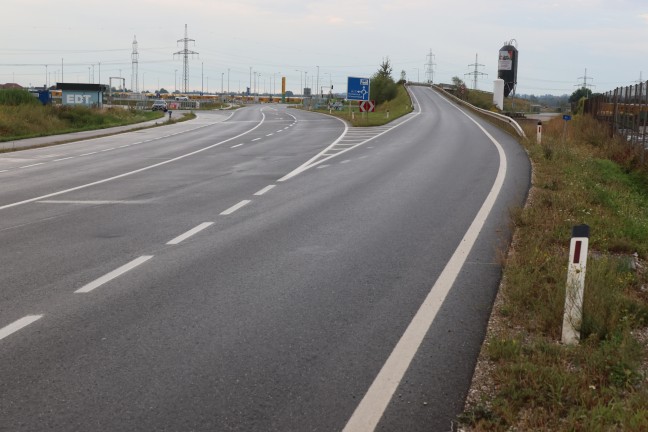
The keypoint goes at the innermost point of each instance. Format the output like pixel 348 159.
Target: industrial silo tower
pixel 507 66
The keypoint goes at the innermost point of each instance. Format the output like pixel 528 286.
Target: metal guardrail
pixel 499 117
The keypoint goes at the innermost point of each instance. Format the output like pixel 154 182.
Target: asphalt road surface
pixel 263 270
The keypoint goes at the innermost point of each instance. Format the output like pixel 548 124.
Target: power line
pixel 429 67
pixel 185 60
pixel 585 84
pixel 476 72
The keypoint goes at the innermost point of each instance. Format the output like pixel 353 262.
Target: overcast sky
pixel 557 41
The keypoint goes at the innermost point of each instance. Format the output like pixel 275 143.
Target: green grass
pixel 598 385
pixel 397 107
pixel 484 100
pixel 28 120
pixel 14 97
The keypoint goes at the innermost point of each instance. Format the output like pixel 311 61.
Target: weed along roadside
pixel 526 378
pixel 25 123
pixel 383 114
pixel 26 118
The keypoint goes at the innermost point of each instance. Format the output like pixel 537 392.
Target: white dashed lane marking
pixel 32 165
pixel 236 207
pixel 190 233
pixel 17 325
pixel 264 190
pixel 113 274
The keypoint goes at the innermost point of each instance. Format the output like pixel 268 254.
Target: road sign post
pixel 567 118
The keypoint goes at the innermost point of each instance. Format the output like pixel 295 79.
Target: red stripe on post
pixel 577 251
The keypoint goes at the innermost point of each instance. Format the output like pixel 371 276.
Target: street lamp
pixel 175 81
pixel 301 81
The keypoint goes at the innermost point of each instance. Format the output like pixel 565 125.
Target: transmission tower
pixel 185 60
pixel 585 84
pixel 429 68
pixel 135 67
pixel 476 72
pixel 640 78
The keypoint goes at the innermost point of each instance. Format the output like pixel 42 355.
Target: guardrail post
pixel 573 315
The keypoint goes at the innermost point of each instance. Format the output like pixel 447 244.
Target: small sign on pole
pixel 567 118
pixel 573 316
pixel 367 106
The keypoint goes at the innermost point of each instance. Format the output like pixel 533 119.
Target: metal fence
pixel 625 110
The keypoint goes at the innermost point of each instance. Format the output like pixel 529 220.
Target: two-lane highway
pixel 264 270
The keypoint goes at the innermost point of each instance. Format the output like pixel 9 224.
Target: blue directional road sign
pixel 566 117
pixel 358 89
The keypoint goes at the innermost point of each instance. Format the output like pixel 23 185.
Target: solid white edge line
pixel 373 405
pixel 40 198
pixel 309 164
pixel 303 167
pixel 17 325
pixel 113 274
pixel 232 209
pixel 190 233
pixel 264 190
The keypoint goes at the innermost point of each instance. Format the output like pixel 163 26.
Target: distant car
pixel 159 105
pixel 181 98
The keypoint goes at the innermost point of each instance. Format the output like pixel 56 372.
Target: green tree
pixel 577 99
pixel 461 90
pixel 582 92
pixel 383 88
pixel 458 82
pixel 385 69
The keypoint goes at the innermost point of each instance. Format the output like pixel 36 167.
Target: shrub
pixel 15 97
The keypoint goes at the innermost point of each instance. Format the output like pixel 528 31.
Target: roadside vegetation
pixel 23 116
pixel 484 99
pixel 527 380
pixel 391 98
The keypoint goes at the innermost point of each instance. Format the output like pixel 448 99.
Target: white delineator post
pixel 539 133
pixel 573 316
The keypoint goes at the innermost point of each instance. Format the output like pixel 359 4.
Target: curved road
pixel 262 270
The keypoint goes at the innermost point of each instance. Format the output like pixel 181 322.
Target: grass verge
pixel 529 381
pixel 28 120
pixel 384 113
